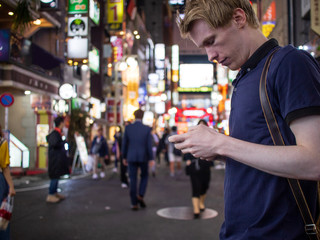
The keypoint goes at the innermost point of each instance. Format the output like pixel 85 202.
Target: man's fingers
pixel 177 138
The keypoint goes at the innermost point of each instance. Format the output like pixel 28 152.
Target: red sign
pixel 270 14
pixel 110 110
pixel 6 99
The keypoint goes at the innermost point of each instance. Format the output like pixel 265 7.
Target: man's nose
pixel 212 55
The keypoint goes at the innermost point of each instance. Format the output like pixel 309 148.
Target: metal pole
pixel 6 118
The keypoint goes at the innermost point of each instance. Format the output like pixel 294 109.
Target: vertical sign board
pixel 82 148
pixel 115 13
pixel 111 118
pixel 315 16
pixel 4 44
pixel 269 19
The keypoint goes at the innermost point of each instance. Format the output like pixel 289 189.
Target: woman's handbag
pixel 6 212
pixel 310 226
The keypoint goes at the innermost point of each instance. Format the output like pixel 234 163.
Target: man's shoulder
pixel 291 54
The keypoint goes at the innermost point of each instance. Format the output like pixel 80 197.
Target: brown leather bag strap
pixel 277 139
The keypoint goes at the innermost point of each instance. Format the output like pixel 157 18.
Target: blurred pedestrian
pixel 123 168
pixel 259 203
pixel 6 183
pixel 163 147
pixel 100 151
pixel 137 153
pixel 200 174
pixel 175 155
pixel 58 160
pixel 155 143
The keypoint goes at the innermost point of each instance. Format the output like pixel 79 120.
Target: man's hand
pixel 12 191
pixel 201 141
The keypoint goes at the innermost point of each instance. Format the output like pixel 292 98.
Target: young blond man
pixel 258 200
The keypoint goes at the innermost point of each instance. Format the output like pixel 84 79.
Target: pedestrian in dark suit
pixel 137 152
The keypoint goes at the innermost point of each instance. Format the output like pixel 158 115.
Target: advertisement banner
pixel 315 16
pixel 77 26
pixel 110 110
pixel 119 112
pixel 5 44
pixel 115 12
pixel 78 6
pixel 269 19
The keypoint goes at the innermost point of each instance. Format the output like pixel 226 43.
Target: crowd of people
pixel 136 148
pixel 139 148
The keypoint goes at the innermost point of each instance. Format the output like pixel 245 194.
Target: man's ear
pixel 239 17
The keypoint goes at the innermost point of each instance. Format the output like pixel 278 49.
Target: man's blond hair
pixel 217 13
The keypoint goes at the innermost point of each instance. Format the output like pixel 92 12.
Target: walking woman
pixel 199 172
pixel 6 183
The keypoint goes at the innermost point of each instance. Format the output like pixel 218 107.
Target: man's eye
pixel 209 43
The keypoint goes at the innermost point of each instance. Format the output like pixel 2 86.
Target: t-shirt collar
pixel 256 57
pixel 259 54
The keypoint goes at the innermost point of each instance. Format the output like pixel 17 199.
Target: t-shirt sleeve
pixel 298 85
pixel 4 155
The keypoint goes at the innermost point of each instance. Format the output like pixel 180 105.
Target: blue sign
pixel 6 99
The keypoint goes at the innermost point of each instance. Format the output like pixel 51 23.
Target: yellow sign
pixel 267 28
pixel 115 11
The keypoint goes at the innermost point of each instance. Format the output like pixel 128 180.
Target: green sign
pixel 94 60
pixel 78 6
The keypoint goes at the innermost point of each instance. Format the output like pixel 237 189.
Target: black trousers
pixel 123 172
pixel 200 178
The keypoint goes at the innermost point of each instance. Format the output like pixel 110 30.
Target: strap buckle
pixel 311 229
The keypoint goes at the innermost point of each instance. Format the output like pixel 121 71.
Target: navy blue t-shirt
pixel 259 205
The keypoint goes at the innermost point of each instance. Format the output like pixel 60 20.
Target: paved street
pixel 100 209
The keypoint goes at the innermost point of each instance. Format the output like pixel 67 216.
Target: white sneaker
pixel 123 185
pixel 102 174
pixel 95 176
pixel 114 170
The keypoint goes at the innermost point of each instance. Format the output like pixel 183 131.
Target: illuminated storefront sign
pixel 198 89
pixel 4 45
pixel 78 48
pixel 186 114
pixel 78 6
pixel 115 11
pixel 66 91
pixel 176 2
pixel 175 63
pixel 94 12
pixel 269 19
pixel 196 77
pixel 94 60
pixel 77 26
pixel 117 49
pixel 194 113
pixel 96 108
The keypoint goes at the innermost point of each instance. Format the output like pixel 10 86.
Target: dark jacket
pixel 137 143
pixel 102 146
pixel 58 160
